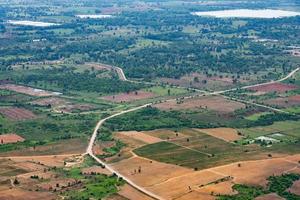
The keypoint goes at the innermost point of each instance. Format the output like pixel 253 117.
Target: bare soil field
pixel 295 188
pixel 152 172
pixel 216 103
pixel 165 134
pixel 130 193
pixel 75 108
pixel 71 146
pixel 271 196
pixel 274 87
pixel 20 194
pixel 226 134
pixel 141 136
pixel 128 97
pixel 285 102
pixel 10 138
pixel 53 101
pixel 27 90
pixel 17 113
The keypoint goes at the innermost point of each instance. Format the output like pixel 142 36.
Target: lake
pixel 247 13
pixel 31 23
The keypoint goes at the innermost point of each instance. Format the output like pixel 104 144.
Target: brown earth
pixel 274 87
pixel 17 113
pixel 216 103
pixel 271 196
pixel 27 90
pixel 20 194
pixel 53 101
pixel 165 134
pixel 285 101
pixel 128 97
pixel 75 107
pixel 130 193
pixel 226 134
pixel 10 138
pixel 141 136
pixel 295 189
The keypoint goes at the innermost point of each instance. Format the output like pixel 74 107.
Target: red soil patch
pixel 271 196
pixel 131 96
pixel 274 87
pixel 17 113
pixel 285 102
pixel 10 138
pixel 141 136
pixel 216 103
pixel 295 189
pixel 226 134
pixel 27 90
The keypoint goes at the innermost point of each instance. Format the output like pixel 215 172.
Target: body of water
pixel 246 13
pixel 31 23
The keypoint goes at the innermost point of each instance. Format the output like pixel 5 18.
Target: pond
pixel 31 23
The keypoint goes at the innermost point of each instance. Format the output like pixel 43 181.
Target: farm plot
pixel 52 101
pixel 215 103
pixel 130 96
pixel 200 151
pixel 10 138
pixel 226 134
pixel 28 90
pixel 13 113
pixel 141 136
pixel 285 102
pixel 166 134
pixel 274 87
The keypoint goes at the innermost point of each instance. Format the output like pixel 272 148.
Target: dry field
pixel 17 113
pixel 141 136
pixel 128 97
pixel 20 194
pixel 71 146
pixel 165 134
pixel 295 188
pixel 271 196
pixel 129 192
pixel 226 134
pixel 53 101
pixel 28 90
pixel 274 87
pixel 75 108
pixel 285 102
pixel 10 138
pixel 216 103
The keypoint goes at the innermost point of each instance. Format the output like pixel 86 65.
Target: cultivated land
pixel 198 107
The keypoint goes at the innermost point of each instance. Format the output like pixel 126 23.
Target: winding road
pixel 122 76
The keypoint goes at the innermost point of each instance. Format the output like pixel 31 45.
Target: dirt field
pixel 20 194
pixel 216 103
pixel 141 136
pixel 274 87
pixel 28 90
pixel 165 134
pixel 75 108
pixel 295 188
pixel 285 102
pixel 226 134
pixel 130 193
pixel 17 113
pixel 128 97
pixel 71 146
pixel 271 196
pixel 10 138
pixel 53 101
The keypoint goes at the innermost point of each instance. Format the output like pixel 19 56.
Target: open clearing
pixel 295 188
pixel 216 103
pixel 17 113
pixel 274 87
pixel 285 102
pixel 130 96
pixel 141 136
pixel 53 101
pixel 226 134
pixel 10 138
pixel 165 134
pixel 28 90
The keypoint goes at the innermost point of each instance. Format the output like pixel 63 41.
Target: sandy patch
pixel 10 138
pixel 28 90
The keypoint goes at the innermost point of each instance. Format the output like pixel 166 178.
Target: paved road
pixel 123 77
